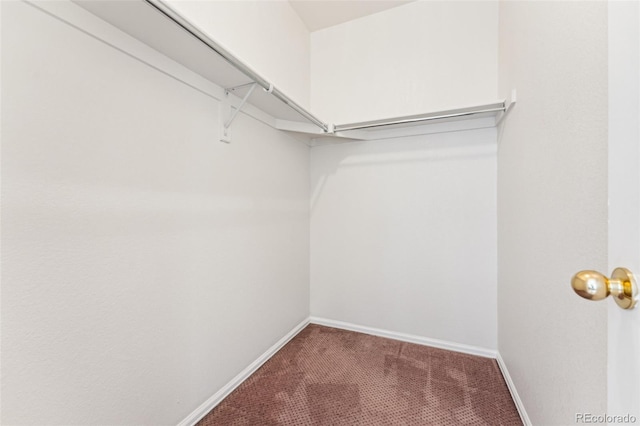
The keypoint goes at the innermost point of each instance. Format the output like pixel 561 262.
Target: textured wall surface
pixel 420 57
pixel 144 263
pixel 403 235
pixel 552 205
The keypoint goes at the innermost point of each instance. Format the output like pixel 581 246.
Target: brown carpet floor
pixel 326 376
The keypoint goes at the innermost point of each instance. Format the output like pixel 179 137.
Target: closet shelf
pixel 157 25
pixel 466 118
pixel 478 111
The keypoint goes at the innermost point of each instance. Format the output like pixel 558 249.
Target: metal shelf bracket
pixel 507 108
pixel 227 110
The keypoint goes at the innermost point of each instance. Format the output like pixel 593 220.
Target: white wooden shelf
pixel 149 22
pixel 157 25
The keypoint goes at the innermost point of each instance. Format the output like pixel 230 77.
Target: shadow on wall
pixel 445 153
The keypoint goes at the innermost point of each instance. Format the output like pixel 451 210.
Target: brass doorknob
pixel 593 285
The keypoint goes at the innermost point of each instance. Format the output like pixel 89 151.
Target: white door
pixel 624 203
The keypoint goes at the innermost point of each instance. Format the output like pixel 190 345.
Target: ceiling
pixel 318 14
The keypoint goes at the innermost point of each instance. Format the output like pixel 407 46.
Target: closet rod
pixel 417 119
pixel 166 10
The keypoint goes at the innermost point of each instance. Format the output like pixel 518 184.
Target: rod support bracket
pixel 227 110
pixel 508 106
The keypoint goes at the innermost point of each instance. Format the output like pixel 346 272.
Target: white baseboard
pixel 514 392
pixel 210 403
pixel 442 344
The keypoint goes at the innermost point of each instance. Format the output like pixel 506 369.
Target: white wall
pixel 393 220
pixel 144 263
pixel 266 35
pixel 623 363
pixel 552 205
pixel 420 57
pixel 403 235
